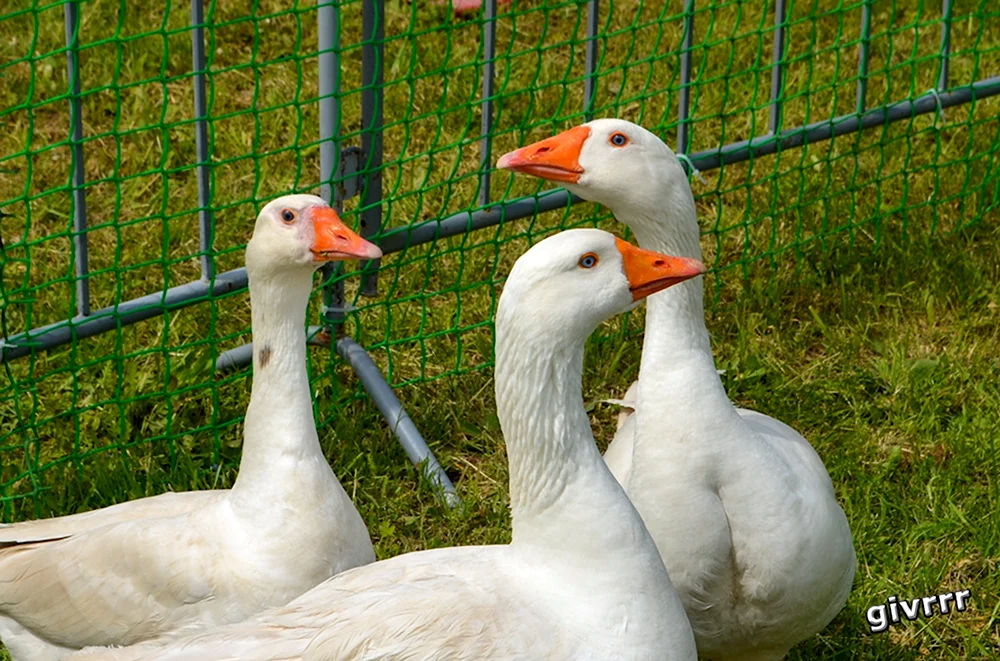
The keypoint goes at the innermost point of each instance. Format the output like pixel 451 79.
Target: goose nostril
pixel 659 262
pixel 542 150
pixel 342 237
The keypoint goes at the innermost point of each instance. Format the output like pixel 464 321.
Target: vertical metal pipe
pixel 942 83
pixel 372 61
pixel 486 145
pixel 329 84
pixel 590 82
pixel 206 221
pixel 776 67
pixel 684 106
pixel 72 19
pixel 329 145
pixel 866 24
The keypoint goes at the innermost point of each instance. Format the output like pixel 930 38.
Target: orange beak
pixel 554 159
pixel 649 272
pixel 335 242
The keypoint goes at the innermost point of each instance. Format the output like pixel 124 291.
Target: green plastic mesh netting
pixel 100 417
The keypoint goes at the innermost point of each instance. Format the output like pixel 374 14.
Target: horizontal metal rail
pixel 402 238
pixel 709 159
pixel 123 314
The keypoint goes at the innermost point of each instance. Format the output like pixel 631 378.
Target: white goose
pixel 151 567
pixel 740 505
pixel 552 592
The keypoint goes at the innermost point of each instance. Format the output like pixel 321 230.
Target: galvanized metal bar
pixel 71 18
pixel 684 104
pixel 329 85
pixel 399 421
pixel 826 129
pixel 206 221
pixel 590 82
pixel 942 83
pixel 863 55
pixel 234 359
pixel 329 146
pixel 152 305
pixel 486 142
pixel 123 314
pixel 372 64
pixel 461 223
pixel 777 69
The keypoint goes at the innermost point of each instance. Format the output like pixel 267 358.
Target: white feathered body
pixel 458 604
pixel 186 561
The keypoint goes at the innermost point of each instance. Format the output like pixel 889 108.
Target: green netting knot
pixel 937 98
pixel 695 172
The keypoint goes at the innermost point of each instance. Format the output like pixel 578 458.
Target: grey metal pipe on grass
pixel 399 421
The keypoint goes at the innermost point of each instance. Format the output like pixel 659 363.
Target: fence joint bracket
pixel 349 179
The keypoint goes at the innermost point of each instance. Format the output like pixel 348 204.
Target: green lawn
pixel 856 296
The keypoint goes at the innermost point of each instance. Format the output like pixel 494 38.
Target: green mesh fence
pixel 98 418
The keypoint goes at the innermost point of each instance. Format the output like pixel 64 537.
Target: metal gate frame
pixel 337 162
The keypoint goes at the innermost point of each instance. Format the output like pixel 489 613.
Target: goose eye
pixel 287 215
pixel 588 261
pixel 618 139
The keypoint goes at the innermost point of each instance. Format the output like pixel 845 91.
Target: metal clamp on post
pixel 692 170
pixel 937 101
pixel 348 186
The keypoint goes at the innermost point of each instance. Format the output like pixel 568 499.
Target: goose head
pixel 617 164
pixel 574 280
pixel 297 233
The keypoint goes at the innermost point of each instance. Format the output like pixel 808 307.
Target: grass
pixel 856 293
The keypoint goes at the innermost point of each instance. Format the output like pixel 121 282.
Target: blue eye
pixel 618 139
pixel 287 215
pixel 588 261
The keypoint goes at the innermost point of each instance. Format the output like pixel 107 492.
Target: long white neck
pixel 279 430
pixel 563 497
pixel 678 383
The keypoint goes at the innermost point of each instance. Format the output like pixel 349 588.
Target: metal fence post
pixel 863 46
pixel 486 143
pixel 206 221
pixel 942 83
pixel 71 17
pixel 774 121
pixel 684 103
pixel 329 146
pixel 372 64
pixel 590 81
